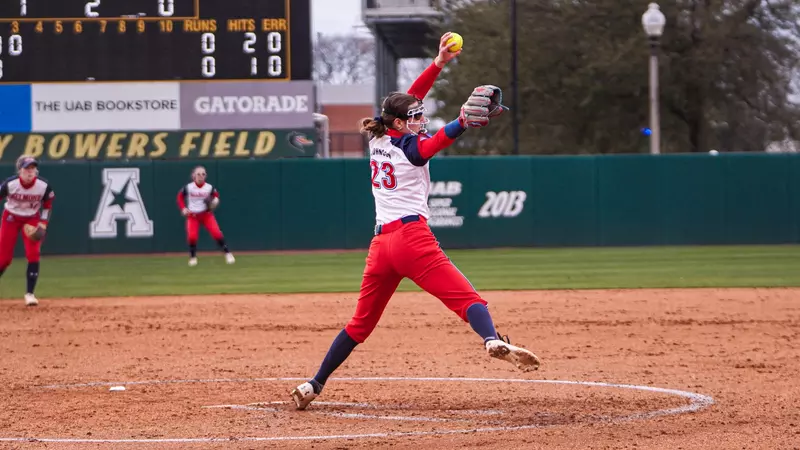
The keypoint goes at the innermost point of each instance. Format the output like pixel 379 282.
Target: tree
pixel 726 74
pixel 350 59
pixel 344 59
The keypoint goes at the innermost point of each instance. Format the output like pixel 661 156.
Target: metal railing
pixel 378 4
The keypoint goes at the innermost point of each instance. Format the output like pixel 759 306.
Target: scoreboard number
pixel 274 42
pixel 88 9
pixel 208 45
pixel 166 8
pixel 14 48
pixel 274 45
pixel 15 45
pixel 249 40
pixel 275 65
pixel 23 8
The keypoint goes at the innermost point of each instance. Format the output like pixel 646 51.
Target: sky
pixel 339 16
pixel 344 16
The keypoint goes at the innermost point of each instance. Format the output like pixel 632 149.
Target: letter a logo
pixel 121 200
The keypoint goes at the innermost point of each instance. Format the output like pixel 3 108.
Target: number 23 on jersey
pixel 383 176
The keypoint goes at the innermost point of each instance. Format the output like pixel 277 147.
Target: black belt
pixel 391 226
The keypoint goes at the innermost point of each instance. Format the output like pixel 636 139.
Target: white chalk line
pixel 260 406
pixel 398 418
pixel 371 406
pixel 244 407
pixel 697 402
pixel 257 407
pixel 200 380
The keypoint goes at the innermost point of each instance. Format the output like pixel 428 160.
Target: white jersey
pixel 401 179
pixel 26 201
pixel 194 196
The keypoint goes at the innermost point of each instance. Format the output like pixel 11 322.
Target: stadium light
pixel 653 22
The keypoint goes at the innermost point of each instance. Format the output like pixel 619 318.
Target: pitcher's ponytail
pixel 372 126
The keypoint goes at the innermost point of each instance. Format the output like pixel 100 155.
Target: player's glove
pixel 35 232
pixel 485 102
pixel 212 202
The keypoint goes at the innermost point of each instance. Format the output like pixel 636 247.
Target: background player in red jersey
pixel 29 201
pixel 404 246
pixel 197 202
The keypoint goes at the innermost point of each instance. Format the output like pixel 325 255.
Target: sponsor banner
pixel 105 106
pixel 132 146
pixel 15 108
pixel 446 199
pixel 247 105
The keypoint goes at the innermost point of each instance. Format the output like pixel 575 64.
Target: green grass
pixel 743 266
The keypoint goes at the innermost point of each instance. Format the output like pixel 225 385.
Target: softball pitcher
pixel 29 201
pixel 403 245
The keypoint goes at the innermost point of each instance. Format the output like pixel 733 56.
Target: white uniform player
pixel 29 201
pixel 25 201
pixel 197 197
pixel 389 163
pixel 197 202
pixel 403 245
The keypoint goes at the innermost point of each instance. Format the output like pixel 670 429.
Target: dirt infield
pixel 215 371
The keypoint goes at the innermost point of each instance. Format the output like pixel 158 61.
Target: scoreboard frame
pixel 296 68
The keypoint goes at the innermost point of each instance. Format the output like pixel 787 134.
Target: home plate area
pixel 225 410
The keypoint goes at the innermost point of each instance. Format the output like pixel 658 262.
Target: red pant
pixel 9 230
pixel 207 219
pixel 410 251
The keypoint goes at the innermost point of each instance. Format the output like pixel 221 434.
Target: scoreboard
pixel 154 40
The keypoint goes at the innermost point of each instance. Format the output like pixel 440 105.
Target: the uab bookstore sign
pixel 132 146
pixel 121 201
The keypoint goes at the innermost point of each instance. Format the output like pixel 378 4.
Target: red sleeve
pixel 181 200
pixel 434 144
pixel 48 202
pixel 420 87
pixel 215 193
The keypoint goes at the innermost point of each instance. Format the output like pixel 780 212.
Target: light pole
pixel 653 21
pixel 514 77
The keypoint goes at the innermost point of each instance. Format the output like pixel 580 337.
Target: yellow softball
pixel 455 37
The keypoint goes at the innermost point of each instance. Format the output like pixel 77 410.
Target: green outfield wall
pixel 113 207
